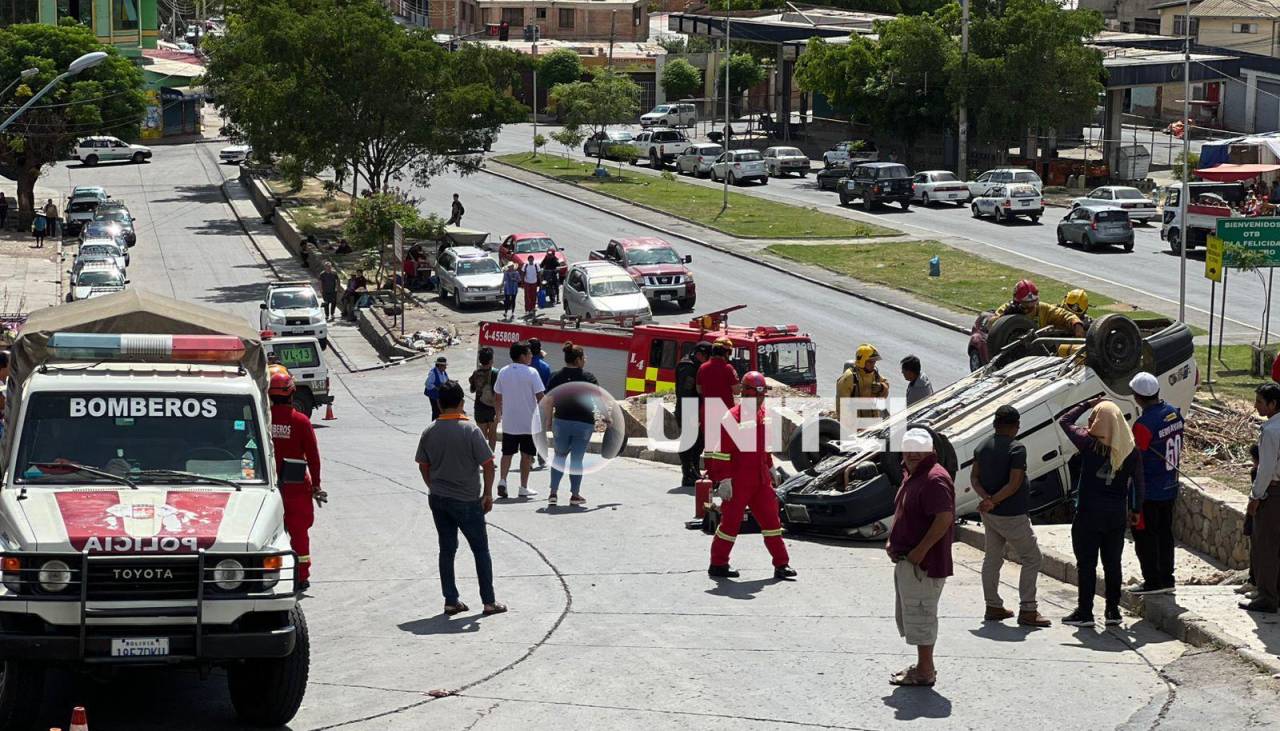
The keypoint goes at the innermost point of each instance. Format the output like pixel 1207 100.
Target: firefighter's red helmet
pixel 1026 291
pixel 281 385
pixel 754 380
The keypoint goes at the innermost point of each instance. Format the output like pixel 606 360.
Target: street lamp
pixel 87 61
pixel 26 74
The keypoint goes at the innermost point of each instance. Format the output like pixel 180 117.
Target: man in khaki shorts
pixel 920 546
pixel 999 477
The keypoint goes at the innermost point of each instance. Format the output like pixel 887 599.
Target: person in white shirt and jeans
pixel 532 278
pixel 516 394
pixel 1264 505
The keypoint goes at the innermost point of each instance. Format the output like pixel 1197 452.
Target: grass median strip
pixel 747 216
pixel 1231 377
pixel 967 283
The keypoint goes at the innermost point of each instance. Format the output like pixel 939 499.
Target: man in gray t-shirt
pixel 452 454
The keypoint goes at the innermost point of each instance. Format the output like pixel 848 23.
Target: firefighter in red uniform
pixel 716 381
pixel 752 484
pixel 298 465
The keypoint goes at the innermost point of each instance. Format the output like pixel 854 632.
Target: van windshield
pixel 127 434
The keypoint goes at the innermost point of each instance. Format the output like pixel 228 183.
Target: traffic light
pixel 504 31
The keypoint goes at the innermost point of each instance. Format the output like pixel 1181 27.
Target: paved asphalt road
pixel 1147 276
pixel 613 621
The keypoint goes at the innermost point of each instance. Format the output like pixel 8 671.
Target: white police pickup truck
pixel 140 516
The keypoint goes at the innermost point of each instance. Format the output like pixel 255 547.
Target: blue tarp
pixel 1216 153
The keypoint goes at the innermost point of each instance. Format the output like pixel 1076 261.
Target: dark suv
pixel 877 182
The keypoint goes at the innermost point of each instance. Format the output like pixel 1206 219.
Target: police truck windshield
pixel 126 434
pixel 293 299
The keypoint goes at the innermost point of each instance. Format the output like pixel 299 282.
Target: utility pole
pixel 1186 162
pixel 963 136
pixel 535 101
pixel 724 206
pixel 613 22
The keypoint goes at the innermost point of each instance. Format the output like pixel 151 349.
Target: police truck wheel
pixel 21 692
pixel 269 692
pixel 828 438
pixel 1113 346
pixel 304 402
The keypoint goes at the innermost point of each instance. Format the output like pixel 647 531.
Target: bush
pixel 680 79
pixel 539 142
pixel 668 175
pixel 292 172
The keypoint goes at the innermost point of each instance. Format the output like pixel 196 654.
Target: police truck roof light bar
pixel 175 348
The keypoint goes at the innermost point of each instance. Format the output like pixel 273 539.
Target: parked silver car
pixel 739 166
pixel 781 161
pixel 1134 202
pixel 600 289
pixel 696 159
pixel 1096 225
pixel 105 249
pixel 468 275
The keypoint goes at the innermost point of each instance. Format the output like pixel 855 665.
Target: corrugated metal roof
pixel 1237 9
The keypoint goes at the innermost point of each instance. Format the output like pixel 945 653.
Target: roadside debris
pixel 431 341
pixel 1218 438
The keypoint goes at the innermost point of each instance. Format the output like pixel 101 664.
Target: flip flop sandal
pixel 452 609
pixel 909 669
pixel 494 609
pixel 913 679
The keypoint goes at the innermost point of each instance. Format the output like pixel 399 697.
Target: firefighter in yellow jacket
pixel 1026 301
pixel 862 380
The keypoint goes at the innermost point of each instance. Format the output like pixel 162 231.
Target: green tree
pixel 539 142
pixel 609 98
pixel 840 72
pixel 336 83
pixel 561 66
pixel 570 137
pixel 911 77
pixel 1193 162
pixel 680 79
pixel 744 72
pixel 106 99
pixel 370 228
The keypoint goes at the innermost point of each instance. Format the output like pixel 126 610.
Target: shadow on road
pixel 740 589
pixel 911 703
pixel 192 194
pixel 442 624
pixel 1001 632
pixel 251 292
pixel 217 227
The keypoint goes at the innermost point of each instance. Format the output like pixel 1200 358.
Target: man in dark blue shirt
pixel 1157 435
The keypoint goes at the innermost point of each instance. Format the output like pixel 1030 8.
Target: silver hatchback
pixel 1096 226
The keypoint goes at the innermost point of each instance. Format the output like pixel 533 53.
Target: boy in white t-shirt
pixel 517 392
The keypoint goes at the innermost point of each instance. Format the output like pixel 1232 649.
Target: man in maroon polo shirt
pixel 920 546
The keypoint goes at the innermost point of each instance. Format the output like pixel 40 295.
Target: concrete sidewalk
pixel 30 278
pixel 1203 611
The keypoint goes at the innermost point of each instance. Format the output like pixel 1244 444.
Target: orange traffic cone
pixel 79 721
pixel 328 412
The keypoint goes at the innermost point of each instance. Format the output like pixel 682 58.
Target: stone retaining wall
pixel 1209 517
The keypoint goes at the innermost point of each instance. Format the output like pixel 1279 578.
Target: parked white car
pixel 1003 202
pixel 600 289
pixel 779 161
pixel 93 150
pixel 235 154
pixel 850 153
pixel 739 166
pixel 292 308
pixel 1137 204
pixel 94 278
pixel 670 115
pixel 696 159
pixel 106 249
pixel 939 186
pixel 1003 176
pixel 468 275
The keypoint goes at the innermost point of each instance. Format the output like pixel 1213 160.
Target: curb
pixel 1160 611
pixel 249 234
pixel 717 248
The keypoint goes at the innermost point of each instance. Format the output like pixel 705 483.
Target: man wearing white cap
pixel 1157 435
pixel 920 546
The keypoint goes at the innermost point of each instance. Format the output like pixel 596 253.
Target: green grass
pixel 747 216
pixel 1231 377
pixel 968 283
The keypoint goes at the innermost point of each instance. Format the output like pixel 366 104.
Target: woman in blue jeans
pixel 573 420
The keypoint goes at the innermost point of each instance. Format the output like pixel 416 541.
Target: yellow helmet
pixel 1077 300
pixel 865 353
pixel 276 368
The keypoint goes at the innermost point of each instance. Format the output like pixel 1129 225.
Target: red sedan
pixel 534 244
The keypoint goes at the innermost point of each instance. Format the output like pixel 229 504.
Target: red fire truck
pixel 631 359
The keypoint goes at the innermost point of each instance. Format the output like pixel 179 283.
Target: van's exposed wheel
pixel 826 444
pixel 1005 330
pixel 975 359
pixel 269 692
pixel 1114 346
pixel 21 691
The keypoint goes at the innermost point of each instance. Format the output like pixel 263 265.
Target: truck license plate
pixel 665 296
pixel 140 647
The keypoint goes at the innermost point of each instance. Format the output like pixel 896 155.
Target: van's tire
pixel 21 693
pixel 1005 330
pixel 828 431
pixel 269 692
pixel 1114 346
pixel 304 402
pixel 975 359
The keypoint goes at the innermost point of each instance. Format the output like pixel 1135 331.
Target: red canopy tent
pixel 1228 173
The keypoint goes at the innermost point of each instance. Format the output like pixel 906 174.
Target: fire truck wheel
pixel 686 304
pixel 21 690
pixel 1114 346
pixel 828 439
pixel 269 692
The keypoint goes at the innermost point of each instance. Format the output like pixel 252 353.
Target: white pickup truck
pixel 658 145
pixel 1208 203
pixel 140 516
